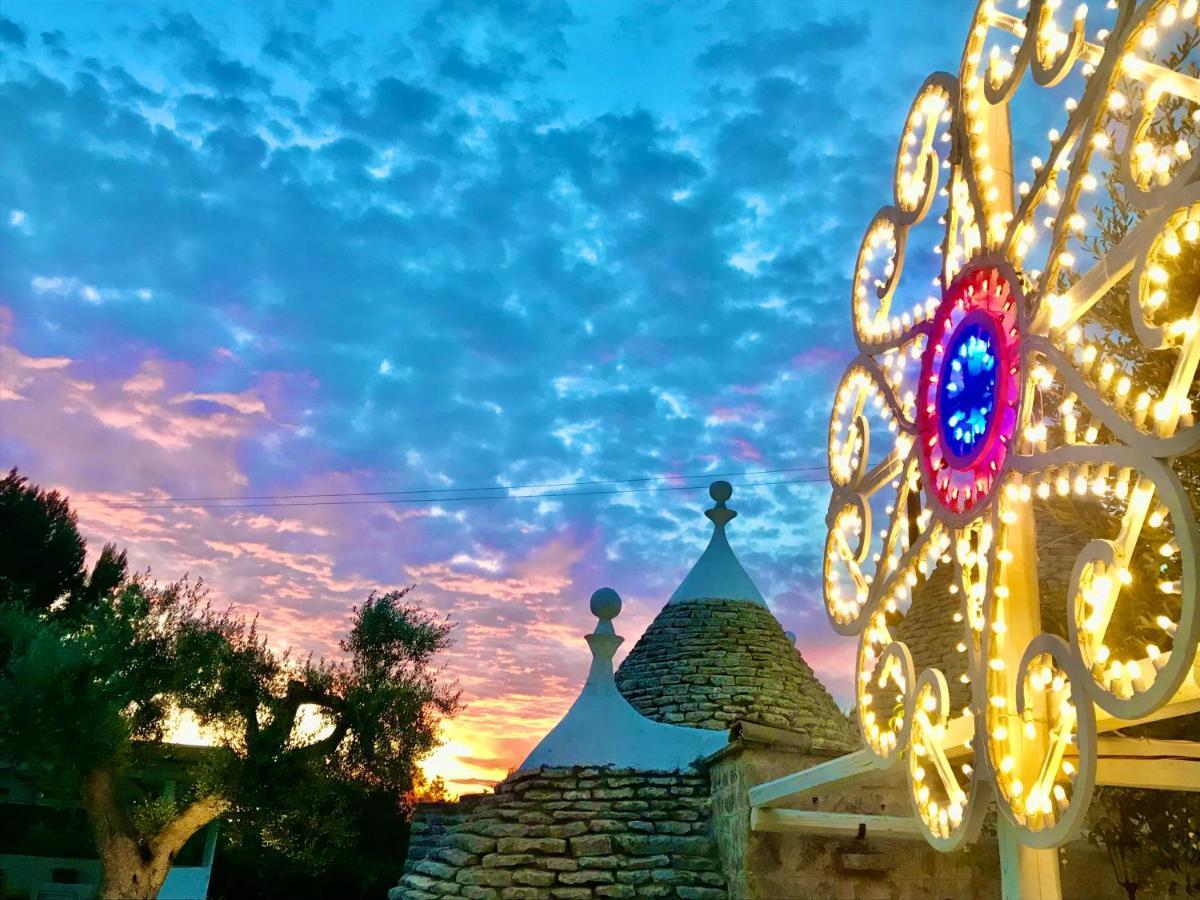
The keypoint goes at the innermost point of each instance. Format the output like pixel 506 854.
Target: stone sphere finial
pixel 720 514
pixel 790 635
pixel 606 604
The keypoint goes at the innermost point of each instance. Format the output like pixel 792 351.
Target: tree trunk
pixel 136 868
pixel 128 874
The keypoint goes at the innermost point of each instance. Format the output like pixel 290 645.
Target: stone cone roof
pixel 709 660
pixel 711 663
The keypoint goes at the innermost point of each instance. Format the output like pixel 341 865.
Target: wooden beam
pixel 840 772
pixel 1148 747
pixel 846 770
pixel 828 824
pixel 1025 873
pixel 1156 774
pixel 1185 702
pixel 1146 763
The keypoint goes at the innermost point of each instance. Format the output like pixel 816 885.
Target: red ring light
pixel 969 390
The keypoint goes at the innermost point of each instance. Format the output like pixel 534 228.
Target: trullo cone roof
pixel 716 655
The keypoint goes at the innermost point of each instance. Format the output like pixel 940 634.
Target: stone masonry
pixel 710 663
pixel 570 834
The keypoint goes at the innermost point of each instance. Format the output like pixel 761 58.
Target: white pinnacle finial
pixel 604 641
pixel 717 574
pixel 720 514
pixel 601 728
pixel 606 606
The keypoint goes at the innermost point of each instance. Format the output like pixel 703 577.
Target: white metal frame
pixel 1030 739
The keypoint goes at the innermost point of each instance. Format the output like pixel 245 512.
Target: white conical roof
pixel 717 574
pixel 601 728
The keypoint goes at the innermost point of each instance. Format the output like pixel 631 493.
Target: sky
pixel 277 249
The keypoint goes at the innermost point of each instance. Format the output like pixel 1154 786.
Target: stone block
pixel 615 890
pixel 645 844
pixel 571 893
pixel 565 831
pixel 474 892
pixel 455 857
pixel 638 877
pixel 607 826
pixel 601 862
pixel 417 882
pixel 630 805
pixel 647 862
pixel 586 876
pixel 472 843
pixel 612 793
pixel 533 877
pixel 699 893
pixel 484 877
pixel 673 828
pixel 435 869
pixel 559 864
pixel 507 860
pixel 655 890
pixel 591 845
pixel 502 829
pixel 669 876
pixel 519 893
pixel 529 845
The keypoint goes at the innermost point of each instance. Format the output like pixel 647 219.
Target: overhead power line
pixel 361 501
pixel 139 501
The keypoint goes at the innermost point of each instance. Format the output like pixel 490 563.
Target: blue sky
pixel 281 249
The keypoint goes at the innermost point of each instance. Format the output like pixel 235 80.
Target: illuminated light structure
pixel 967 410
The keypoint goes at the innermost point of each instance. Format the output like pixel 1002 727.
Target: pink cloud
pixel 247 403
pixel 148 380
pixel 519 653
pixel 546 570
pixel 743 449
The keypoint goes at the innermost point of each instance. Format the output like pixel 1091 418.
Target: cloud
pixel 791 48
pixel 267 253
pixel 11 32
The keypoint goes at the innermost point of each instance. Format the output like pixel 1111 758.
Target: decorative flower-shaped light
pixel 1050 371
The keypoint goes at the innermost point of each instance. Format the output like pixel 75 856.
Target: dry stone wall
pixel 573 833
pixel 710 663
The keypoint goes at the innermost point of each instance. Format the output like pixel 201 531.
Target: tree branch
pixel 326 745
pixel 191 819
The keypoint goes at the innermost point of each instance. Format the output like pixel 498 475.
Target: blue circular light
pixel 967 390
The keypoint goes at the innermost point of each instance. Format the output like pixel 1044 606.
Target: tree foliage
pixel 95 670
